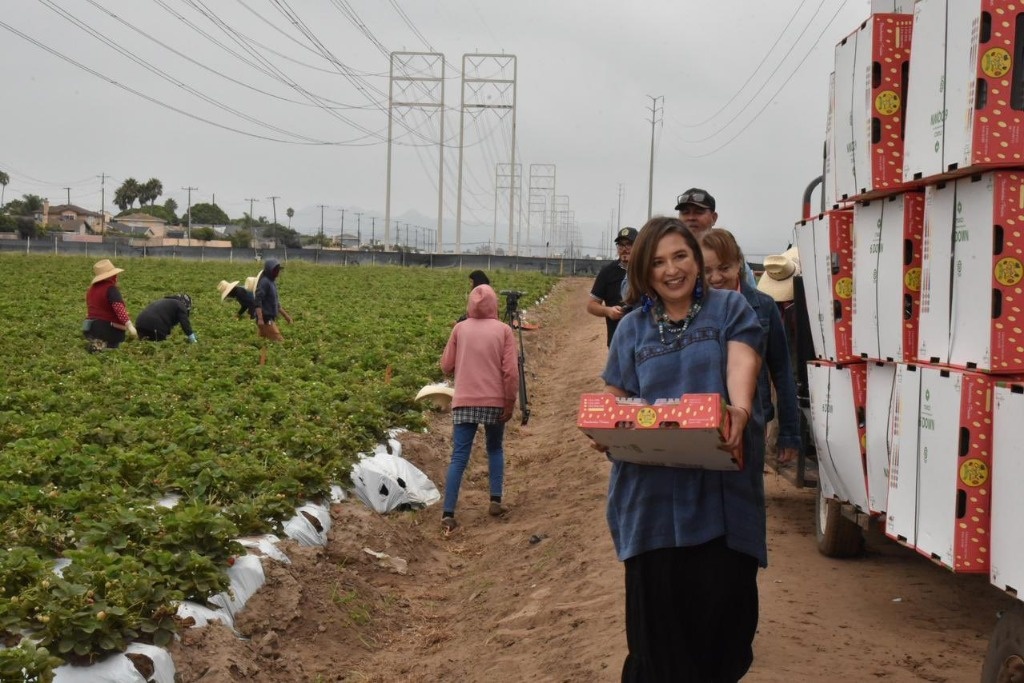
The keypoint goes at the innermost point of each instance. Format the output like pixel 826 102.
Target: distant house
pixel 70 218
pixel 157 226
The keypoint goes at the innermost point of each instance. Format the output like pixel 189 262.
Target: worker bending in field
pixel 106 321
pixel 158 320
pixel 245 298
pixel 268 305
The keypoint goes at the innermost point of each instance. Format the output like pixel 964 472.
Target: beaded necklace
pixel 665 324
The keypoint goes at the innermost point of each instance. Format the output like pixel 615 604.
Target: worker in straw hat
pixel 243 295
pixel 777 279
pixel 777 282
pixel 107 320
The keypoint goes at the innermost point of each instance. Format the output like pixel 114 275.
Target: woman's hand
pixel 738 418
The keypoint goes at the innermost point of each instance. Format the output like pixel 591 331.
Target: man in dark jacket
pixel 158 319
pixel 268 305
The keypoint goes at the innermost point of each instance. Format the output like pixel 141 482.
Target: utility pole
pixel 322 225
pixel 273 204
pixel 618 216
pixel 654 120
pixel 189 234
pixel 252 240
pixel 342 237
pixel 373 233
pixel 103 204
pixel 69 195
pixel 359 232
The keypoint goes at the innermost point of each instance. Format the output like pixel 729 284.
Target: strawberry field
pixel 89 442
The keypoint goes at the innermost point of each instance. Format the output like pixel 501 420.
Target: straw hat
pixel 103 270
pixel 777 279
pixel 225 288
pixel 250 283
pixel 438 394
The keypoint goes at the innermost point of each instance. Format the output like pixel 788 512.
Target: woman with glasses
pixel 723 262
pixel 691 540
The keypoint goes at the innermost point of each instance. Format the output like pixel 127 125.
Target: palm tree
pixel 126 195
pixel 4 179
pixel 290 212
pixel 150 190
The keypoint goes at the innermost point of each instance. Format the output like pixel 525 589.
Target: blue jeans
pixel 462 445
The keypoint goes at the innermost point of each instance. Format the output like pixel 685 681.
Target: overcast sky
pixel 289 98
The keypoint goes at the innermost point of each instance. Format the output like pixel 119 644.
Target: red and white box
pixel 887 237
pixel 838 396
pixel 954 489
pixel 683 432
pixel 828 283
pixel 1007 571
pixel 965 94
pixel 972 297
pixel 870 80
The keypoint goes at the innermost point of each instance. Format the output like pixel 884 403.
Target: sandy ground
pixel 538 596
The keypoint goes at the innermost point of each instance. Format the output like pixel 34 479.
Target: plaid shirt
pixel 481 415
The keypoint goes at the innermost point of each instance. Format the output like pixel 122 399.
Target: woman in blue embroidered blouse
pixel 691 540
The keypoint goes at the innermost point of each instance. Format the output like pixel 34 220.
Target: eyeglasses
pixel 624 245
pixel 688 197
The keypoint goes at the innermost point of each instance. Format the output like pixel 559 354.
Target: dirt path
pixel 537 596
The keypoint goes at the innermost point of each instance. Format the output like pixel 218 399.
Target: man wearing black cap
pixel 606 294
pixel 696 209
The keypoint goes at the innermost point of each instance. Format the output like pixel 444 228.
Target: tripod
pixel 514 317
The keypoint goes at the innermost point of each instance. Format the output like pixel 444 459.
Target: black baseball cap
pixel 626 235
pixel 697 196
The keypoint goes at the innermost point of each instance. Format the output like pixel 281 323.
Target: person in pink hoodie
pixel 481 353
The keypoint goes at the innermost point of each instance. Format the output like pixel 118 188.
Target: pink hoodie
pixel 481 353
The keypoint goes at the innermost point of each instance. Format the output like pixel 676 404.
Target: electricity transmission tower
pixel 488 83
pixel 416 91
pixel 541 201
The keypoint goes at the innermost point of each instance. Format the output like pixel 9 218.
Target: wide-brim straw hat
pixel 225 288
pixel 777 279
pixel 103 270
pixel 250 283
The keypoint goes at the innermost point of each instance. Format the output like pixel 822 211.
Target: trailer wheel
pixel 837 536
pixel 1004 662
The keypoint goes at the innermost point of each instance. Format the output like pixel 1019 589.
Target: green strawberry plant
pixel 89 442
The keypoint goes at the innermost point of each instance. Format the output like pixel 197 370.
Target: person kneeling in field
pixel 268 305
pixel 159 318
pixel 244 297
pixel 107 321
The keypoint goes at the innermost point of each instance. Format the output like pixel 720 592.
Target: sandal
pixel 448 525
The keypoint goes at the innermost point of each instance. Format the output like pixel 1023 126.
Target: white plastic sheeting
pixel 246 577
pixel 386 481
pixel 310 525
pixel 119 669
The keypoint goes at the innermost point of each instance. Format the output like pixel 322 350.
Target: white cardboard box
pixel 1007 571
pixel 828 187
pixel 964 113
pixel 892 6
pixel 954 465
pixel 987 325
pixel 838 395
pixel 869 83
pixel 880 426
pixel 940 220
pixel 887 276
pixel 901 504
pixel 826 248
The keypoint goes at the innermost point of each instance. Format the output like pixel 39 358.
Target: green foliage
pixel 203 234
pixel 153 210
pixel 90 442
pixel 127 193
pixel 210 214
pixel 28 663
pixel 150 191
